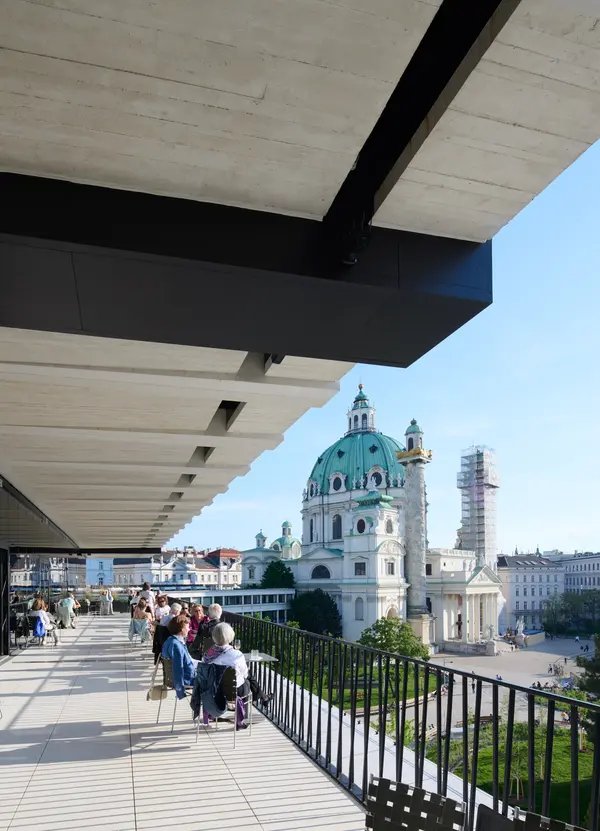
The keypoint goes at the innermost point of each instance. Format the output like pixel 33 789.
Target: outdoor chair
pixel 489 820
pixel 229 688
pixel 394 806
pixel 139 629
pixel 161 635
pixel 168 684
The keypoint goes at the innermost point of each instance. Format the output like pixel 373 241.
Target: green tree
pixel 277 575
pixel 316 611
pixel 394 635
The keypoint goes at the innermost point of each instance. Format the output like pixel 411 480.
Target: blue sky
pixel 522 378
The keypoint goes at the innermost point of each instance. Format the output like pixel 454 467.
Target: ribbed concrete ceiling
pixel 524 115
pixel 267 103
pixel 121 443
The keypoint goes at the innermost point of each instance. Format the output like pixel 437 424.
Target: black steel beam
pixel 37 515
pixel 89 260
pixel 84 552
pixel 453 45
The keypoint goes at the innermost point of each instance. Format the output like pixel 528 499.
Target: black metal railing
pixel 357 711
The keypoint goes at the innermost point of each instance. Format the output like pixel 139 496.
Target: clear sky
pixel 522 378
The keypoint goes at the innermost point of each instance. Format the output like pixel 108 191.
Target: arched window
pixel 359 609
pixel 320 573
pixel 251 572
pixel 361 526
pixel 389 527
pixel 312 530
pixel 312 490
pixel 365 424
pixel 336 531
pixel 355 422
pixel 337 483
pixel 377 478
pixel 411 444
pixel 349 424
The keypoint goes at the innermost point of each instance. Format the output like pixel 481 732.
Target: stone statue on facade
pixel 520 626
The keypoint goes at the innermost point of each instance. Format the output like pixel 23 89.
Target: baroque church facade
pixel 364 536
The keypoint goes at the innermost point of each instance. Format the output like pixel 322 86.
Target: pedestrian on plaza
pixel 550 669
pixel 566 659
pixel 576 638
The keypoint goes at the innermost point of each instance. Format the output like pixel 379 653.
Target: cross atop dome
pixel 361 416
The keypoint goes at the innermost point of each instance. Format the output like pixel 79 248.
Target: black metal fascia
pixel 39 515
pixel 452 47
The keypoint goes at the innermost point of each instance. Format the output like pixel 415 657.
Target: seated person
pixel 174 611
pixel 205 630
pixel 196 620
pixel 223 654
pixel 162 608
pixel 184 667
pixel 143 612
pixel 66 610
pixel 38 609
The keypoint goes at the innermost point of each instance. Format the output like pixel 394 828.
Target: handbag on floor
pixel 157 693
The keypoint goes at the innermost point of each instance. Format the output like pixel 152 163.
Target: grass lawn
pixel 560 789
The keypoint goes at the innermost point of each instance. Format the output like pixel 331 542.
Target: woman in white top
pixel 38 609
pixel 148 595
pixel 223 654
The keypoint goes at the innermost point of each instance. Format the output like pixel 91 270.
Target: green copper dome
pixel 354 456
pixel 414 427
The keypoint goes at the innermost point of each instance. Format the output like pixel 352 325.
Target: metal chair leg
pixel 159 706
pixel 174 712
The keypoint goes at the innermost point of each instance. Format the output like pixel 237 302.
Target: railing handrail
pixel 472 676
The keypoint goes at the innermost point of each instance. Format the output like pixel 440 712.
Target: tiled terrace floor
pixel 80 748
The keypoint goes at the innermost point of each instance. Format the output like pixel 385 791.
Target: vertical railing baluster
pixel 465 741
pixel 574 766
pixel 368 685
pixel 332 647
pixel 548 760
pixel 510 727
pixel 301 731
pixel 320 662
pixel 383 707
pixel 495 745
pixel 438 729
pixel 311 681
pixel 531 751
pixel 398 742
pixel 355 657
pixel 294 690
pixel 448 731
pixel 343 663
pixel 594 812
pixel 417 721
pixel 475 756
pixel 400 745
pixel 424 720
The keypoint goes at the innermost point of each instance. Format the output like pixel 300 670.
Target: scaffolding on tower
pixel 478 482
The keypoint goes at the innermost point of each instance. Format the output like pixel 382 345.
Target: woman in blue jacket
pixel 184 667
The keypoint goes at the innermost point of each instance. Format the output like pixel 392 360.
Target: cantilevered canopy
pixel 121 443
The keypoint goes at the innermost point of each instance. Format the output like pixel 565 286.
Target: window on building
pixel 428 569
pixel 517 605
pixel 410 444
pixel 517 592
pixel 524 591
pixel 547 578
pixel 337 483
pixel 355 422
pixel 365 424
pixel 555 589
pixel 251 572
pixel 311 532
pixel 360 569
pixel 556 578
pixel 533 591
pixel 100 580
pixel 533 604
pixel 516 578
pixel 361 526
pixel 100 566
pixel 336 527
pixel 540 579
pixel 359 609
pixel 390 568
pixel 320 573
pixel 548 591
pixel 377 478
pixel 525 605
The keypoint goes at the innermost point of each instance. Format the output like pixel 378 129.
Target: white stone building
pixel 364 537
pixel 39 572
pixel 528 580
pixel 215 569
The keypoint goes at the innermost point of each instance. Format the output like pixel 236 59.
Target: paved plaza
pixel 80 748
